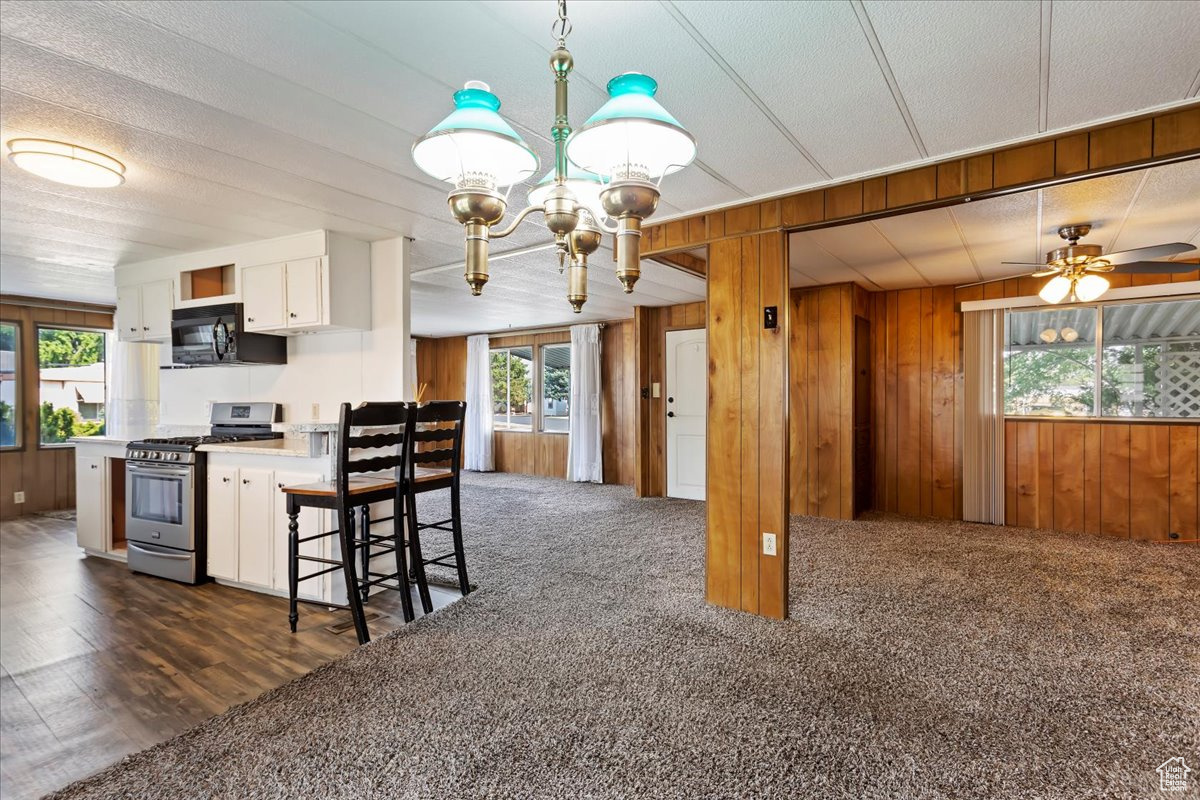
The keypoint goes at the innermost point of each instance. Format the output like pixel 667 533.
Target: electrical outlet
pixel 18 497
pixel 316 411
pixel 769 544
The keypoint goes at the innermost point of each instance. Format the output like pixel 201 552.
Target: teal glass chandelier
pixel 606 174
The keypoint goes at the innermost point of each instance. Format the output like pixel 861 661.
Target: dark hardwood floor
pixel 96 663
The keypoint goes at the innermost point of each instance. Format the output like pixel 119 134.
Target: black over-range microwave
pixel 213 336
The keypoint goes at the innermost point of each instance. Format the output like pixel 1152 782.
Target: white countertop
pixel 304 427
pixel 297 448
pixel 102 439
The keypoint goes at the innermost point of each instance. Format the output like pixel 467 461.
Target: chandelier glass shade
pixel 474 145
pixel 605 179
pixel 632 135
pixel 586 186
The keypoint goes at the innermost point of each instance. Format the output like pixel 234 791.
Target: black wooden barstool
pixel 436 439
pixel 390 425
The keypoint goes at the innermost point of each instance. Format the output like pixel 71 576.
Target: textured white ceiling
pixel 247 120
pixel 967 243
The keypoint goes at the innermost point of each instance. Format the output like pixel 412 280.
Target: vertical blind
pixel 983 416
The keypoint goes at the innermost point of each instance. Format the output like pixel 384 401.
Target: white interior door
pixel 687 409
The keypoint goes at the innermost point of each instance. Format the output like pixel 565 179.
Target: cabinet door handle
pixel 95 466
pixel 145 327
pixel 670 413
pixel 133 329
pixel 292 314
pixel 249 319
pixel 224 480
pixel 245 480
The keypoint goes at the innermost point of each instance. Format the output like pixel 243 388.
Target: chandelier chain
pixel 561 27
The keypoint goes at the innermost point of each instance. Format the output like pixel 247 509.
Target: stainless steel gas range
pixel 165 503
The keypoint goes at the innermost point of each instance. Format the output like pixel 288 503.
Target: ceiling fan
pixel 1078 268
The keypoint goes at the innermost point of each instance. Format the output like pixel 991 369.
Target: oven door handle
pixel 155 552
pixel 156 470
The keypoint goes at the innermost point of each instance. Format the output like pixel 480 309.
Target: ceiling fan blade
pixel 1152 267
pixel 1046 273
pixel 1147 253
pixel 1024 263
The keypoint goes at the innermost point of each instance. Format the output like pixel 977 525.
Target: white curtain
pixel 983 416
pixel 584 460
pixel 478 432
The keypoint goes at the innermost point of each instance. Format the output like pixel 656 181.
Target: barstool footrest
pixel 319 559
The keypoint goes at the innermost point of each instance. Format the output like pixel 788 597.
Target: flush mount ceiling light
pixel 610 168
pixel 66 163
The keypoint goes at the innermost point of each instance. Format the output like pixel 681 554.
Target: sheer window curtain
pixel 478 453
pixel 983 416
pixel 584 457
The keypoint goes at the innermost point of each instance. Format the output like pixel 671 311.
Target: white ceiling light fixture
pixel 66 163
pixel 610 167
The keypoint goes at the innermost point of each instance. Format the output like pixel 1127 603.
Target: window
pixel 1148 361
pixel 512 388
pixel 556 387
pixel 71 384
pixel 1050 363
pixel 10 390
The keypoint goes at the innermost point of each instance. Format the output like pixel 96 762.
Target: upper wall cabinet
pixel 303 283
pixel 144 311
pixel 310 294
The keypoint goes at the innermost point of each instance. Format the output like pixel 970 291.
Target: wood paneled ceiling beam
pixel 1128 145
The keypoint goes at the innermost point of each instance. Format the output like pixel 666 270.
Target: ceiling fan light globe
pixel 1069 334
pixel 1091 287
pixel 1049 336
pixel 1056 289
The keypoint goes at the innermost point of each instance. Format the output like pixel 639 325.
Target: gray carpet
pixel 923 659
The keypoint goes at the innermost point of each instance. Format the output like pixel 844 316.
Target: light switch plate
pixel 316 411
pixel 769 544
pixel 656 390
pixel 18 498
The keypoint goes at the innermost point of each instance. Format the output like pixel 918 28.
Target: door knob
pixel 670 413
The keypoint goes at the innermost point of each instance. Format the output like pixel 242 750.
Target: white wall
pixel 325 369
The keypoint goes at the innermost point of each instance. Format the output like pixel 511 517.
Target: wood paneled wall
pixel 1129 480
pixel 619 401
pixel 747 425
pixel 917 402
pixel 45 475
pixel 442 365
pixel 1130 144
pixel 821 399
pixel 651 324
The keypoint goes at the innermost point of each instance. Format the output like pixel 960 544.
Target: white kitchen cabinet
pixel 92 502
pixel 306 295
pixel 264 303
pixel 223 522
pixel 144 311
pixel 312 521
pixel 255 496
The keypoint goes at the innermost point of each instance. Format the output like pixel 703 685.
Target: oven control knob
pixel 139 453
pixel 174 456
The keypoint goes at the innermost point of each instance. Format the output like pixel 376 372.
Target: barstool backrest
pixel 436 437
pixel 388 425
